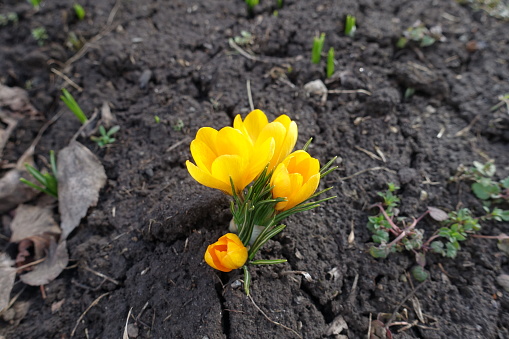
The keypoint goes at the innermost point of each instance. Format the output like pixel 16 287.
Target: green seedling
pixel 330 62
pixel 178 126
pixel 68 99
pixel 496 8
pixel 73 42
pixel 483 186
pixel 48 181
pixel 279 4
pixel 157 119
pixel 251 5
pixel 105 137
pixel 503 99
pixel 350 27
pixel 409 92
pixel 394 233
pixel 35 3
pixel 11 17
pixel 40 35
pixel 244 39
pixel 419 33
pixel 316 52
pixel 79 10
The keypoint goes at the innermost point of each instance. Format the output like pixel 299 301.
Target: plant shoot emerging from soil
pixel 40 35
pixel 68 99
pixel 456 226
pixel 79 11
pixel 252 163
pixel 330 62
pixel 350 26
pixel 316 52
pixel 105 137
pixel 48 180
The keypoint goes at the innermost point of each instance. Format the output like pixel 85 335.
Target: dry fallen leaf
pixel 7 276
pixel 337 326
pixel 49 269
pixel 33 227
pixel 13 192
pixel 16 99
pixel 11 121
pixel 437 214
pixel 80 178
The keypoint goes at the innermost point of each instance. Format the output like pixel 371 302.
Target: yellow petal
pixel 212 259
pixel 260 158
pixel 289 142
pixel 206 178
pixel 231 141
pixel 306 190
pixel 281 182
pixel 230 166
pixel 235 257
pixel 277 131
pixel 208 136
pixel 202 154
pixel 254 123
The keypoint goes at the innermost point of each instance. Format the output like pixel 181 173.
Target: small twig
pixel 249 95
pixel 353 290
pixel 95 302
pixel 272 321
pixel 469 126
pixel 177 144
pixel 142 310
pixel 264 59
pixel 101 275
pixel 67 79
pixel 370 154
pixel 368 170
pixel 408 296
pixel 13 300
pixel 126 335
pixel 85 125
pixel 348 91
pixel 499 237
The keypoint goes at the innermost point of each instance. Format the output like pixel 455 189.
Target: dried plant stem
pixel 95 302
pixel 272 321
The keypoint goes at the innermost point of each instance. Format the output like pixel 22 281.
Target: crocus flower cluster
pixel 253 162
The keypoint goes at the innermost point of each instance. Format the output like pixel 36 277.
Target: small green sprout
pixel 35 3
pixel 409 92
pixel 157 119
pixel 496 8
pixel 105 137
pixel 503 99
pixel 251 5
pixel 178 126
pixel 68 99
pixel 73 42
pixel 48 181
pixel 40 35
pixel 350 27
pixel 10 17
pixel 330 62
pixel 418 32
pixel 244 39
pixel 279 4
pixel 483 186
pixel 316 52
pixel 456 226
pixel 79 10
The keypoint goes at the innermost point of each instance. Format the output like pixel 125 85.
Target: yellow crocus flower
pixel 227 153
pixel 282 129
pixel 227 254
pixel 295 179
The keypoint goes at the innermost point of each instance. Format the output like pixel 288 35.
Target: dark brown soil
pixel 153 221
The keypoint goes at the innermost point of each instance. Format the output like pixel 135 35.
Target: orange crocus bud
pixel 227 254
pixel 295 179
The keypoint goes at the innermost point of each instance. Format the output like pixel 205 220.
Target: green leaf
pixel 379 252
pixel 247 279
pixel 380 236
pixel 419 273
pixel 268 262
pixel 505 183
pixel 427 41
pixel 438 247
pixel 451 250
pixel 480 191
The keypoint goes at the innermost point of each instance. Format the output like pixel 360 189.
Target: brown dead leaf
pixel 80 178
pixel 33 229
pixel 13 192
pixel 49 269
pixel 16 100
pixel 11 121
pixel 56 306
pixel 7 276
pixel 31 221
pixel 437 214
